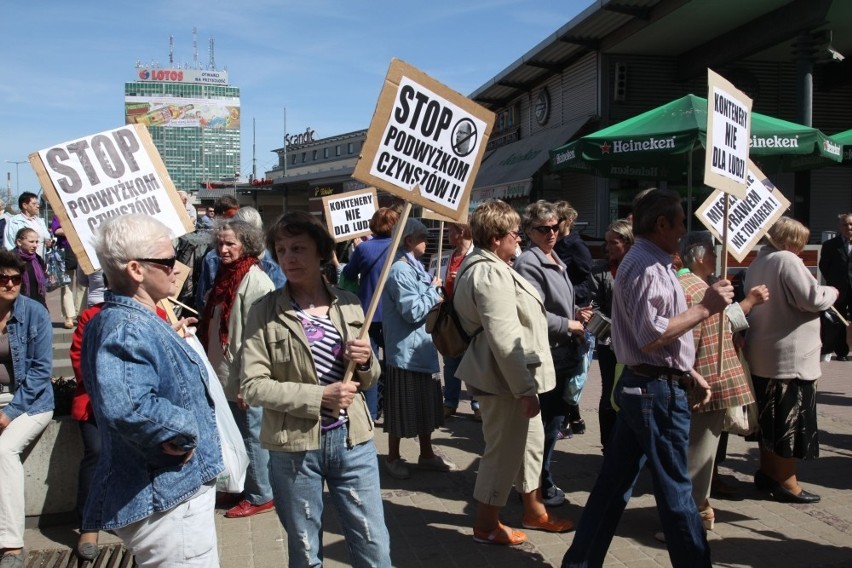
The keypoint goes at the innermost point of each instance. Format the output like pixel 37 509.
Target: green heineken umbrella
pixel 845 139
pixel 659 144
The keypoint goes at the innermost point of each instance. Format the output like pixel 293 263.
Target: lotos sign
pixel 105 175
pixel 425 142
pixel 348 215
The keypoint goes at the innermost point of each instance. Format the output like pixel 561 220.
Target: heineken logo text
pixel 774 141
pixel 621 146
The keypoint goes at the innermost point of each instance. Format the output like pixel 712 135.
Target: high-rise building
pixel 194 118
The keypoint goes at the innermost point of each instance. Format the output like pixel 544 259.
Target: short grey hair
pixel 250 236
pixel 694 246
pixel 539 211
pixel 250 215
pixel 124 238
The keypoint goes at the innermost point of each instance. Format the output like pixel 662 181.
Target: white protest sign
pixel 433 265
pixel 728 129
pixel 104 175
pixel 425 142
pixel 348 215
pixel 748 218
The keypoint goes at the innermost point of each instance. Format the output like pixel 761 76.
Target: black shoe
pixel 763 482
pixel 578 426
pixel 841 358
pixel 782 495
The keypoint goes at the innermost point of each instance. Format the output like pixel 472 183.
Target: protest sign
pixel 433 265
pixel 748 218
pixel 105 175
pixel 348 215
pixel 429 214
pixel 425 142
pixel 728 129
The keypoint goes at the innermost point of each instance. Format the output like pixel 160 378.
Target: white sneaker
pixel 826 358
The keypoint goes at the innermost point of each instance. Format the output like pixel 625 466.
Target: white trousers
pixel 16 437
pixel 183 536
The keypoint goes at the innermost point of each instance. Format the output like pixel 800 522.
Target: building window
pixel 325 152
pixel 337 150
pixel 304 157
pixel 349 148
pixel 314 155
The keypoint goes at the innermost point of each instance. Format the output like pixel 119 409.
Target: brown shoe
pixel 69 323
pixel 548 523
pixel 449 411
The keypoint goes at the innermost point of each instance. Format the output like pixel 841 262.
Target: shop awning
pixel 507 172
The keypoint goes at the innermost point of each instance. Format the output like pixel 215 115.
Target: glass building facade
pixel 194 151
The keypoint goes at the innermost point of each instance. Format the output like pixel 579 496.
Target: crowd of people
pixel 307 378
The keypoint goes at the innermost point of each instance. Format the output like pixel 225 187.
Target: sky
pixel 63 65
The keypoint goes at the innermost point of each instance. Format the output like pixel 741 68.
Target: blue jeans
pixel 257 490
pixel 553 409
pixel 352 477
pixel 452 384
pixel 653 428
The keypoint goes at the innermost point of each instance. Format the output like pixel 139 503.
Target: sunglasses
pixel 15 279
pixel 545 229
pixel 167 262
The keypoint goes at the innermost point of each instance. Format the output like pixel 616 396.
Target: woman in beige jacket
pixel 508 365
pixel 782 350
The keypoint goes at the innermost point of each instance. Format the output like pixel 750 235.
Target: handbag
pixel 234 455
pixel 741 420
pixel 55 275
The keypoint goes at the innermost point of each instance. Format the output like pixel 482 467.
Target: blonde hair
pixel 492 219
pixel 567 215
pixel 788 234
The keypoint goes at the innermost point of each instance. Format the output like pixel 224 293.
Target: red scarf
pixel 228 279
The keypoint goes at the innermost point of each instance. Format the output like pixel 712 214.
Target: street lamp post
pixel 17 176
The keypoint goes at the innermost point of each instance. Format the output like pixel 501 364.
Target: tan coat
pixel 511 355
pixel 783 337
pixel 277 372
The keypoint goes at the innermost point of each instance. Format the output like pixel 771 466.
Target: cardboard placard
pixel 728 135
pixel 425 142
pixel 429 214
pixel 445 263
pixel 748 218
pixel 348 215
pixel 104 175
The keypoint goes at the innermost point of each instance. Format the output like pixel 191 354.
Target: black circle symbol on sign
pixel 464 137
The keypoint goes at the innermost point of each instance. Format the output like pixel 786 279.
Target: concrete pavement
pixel 430 515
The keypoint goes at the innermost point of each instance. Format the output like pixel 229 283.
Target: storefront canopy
pixel 507 172
pixel 657 144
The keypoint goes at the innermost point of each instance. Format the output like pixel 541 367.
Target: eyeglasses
pixel 167 262
pixel 545 229
pixel 515 234
pixel 15 279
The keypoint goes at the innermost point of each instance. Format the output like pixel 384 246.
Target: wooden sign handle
pixel 380 285
pixel 724 274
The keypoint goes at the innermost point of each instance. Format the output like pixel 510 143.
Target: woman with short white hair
pixel 149 393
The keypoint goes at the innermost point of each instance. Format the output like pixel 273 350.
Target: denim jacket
pixel 31 346
pixel 407 298
pixel 147 387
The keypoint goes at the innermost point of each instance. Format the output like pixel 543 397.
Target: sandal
pixel 502 535
pixel 708 517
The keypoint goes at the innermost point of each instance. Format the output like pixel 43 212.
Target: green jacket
pixel 277 372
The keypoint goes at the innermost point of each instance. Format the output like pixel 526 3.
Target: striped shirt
pixel 645 296
pixel 327 353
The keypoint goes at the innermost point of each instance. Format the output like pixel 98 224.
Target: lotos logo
pixel 144 75
pixel 164 75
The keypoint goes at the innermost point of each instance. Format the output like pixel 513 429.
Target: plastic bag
pixel 234 454
pixel 575 383
pixel 55 274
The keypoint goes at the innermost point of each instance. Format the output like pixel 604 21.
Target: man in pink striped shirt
pixel 652 336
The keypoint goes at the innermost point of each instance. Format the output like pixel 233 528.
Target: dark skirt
pixel 413 403
pixel 787 417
